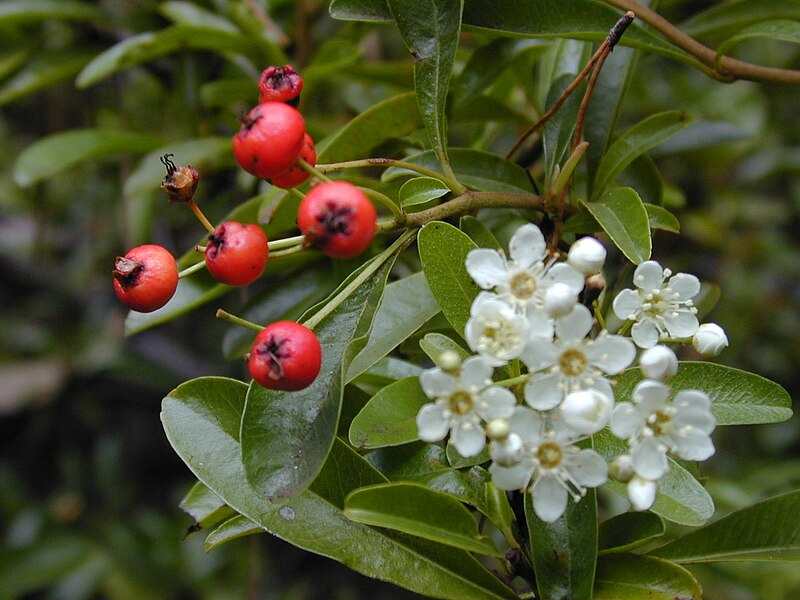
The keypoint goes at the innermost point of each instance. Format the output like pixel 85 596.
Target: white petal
pixel 588 468
pixel 575 325
pixel 559 300
pixel 527 246
pixel 487 267
pixel 650 395
pixel 685 285
pixel 549 498
pixel 710 339
pixel 642 493
pixel 437 384
pixel 512 478
pixel 496 402
pixel 540 324
pixel 648 275
pixel 611 353
pixel 649 461
pixel 476 372
pixel 681 324
pixel 644 334
pixel 539 353
pixel 627 304
pixel 586 411
pixel 626 421
pixel 695 445
pixel 468 438
pixel 693 398
pixel 587 255
pixel 431 423
pixel 564 273
pixel 659 362
pixel 543 391
pixel 527 424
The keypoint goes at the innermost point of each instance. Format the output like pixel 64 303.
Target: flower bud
pixel 658 362
pixel 621 468
pixel 586 411
pixel 498 430
pixel 710 339
pixel 559 300
pixel 642 493
pixel 180 183
pixel 449 361
pixel 587 255
pixel 507 452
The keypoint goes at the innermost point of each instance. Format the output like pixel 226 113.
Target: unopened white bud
pixel 710 339
pixel 658 362
pixel 587 255
pixel 621 468
pixel 507 452
pixel 449 361
pixel 642 493
pixel 498 429
pixel 586 411
pixel 559 300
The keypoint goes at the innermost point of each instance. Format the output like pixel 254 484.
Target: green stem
pixel 193 269
pixel 312 170
pixel 226 316
pixel 295 192
pixel 287 252
pixel 345 293
pixel 286 242
pixel 382 162
pixel 513 380
pixel 398 215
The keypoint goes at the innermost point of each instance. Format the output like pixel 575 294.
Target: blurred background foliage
pixel 89 487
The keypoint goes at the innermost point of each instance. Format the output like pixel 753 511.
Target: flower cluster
pixel 529 314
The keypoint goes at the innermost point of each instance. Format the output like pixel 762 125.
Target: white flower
pixel 494 330
pixel 658 362
pixel 586 411
pixel 587 255
pixel 461 402
pixel 660 308
pixel 710 339
pixel 559 299
pixel 642 492
pixel 557 467
pixel 654 425
pixel 572 362
pixel 523 280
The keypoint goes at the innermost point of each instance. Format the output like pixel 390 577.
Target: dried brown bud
pixel 180 182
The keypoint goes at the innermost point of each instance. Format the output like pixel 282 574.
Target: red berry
pixel 295 175
pixel 146 277
pixel 337 218
pixel 270 139
pixel 237 253
pixel 280 84
pixel 285 356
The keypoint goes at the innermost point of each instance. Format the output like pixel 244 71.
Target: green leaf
pixel 442 251
pixel 205 507
pixel 420 511
pixel 769 531
pixel 661 218
pixel 730 17
pixel 232 529
pixel 146 46
pixel 433 344
pixel 636 141
pixel 629 530
pixel 360 10
pixel 390 417
pixel 622 215
pixel 478 232
pixel 564 552
pixel 23 11
pixel 781 30
pixel 737 397
pixel 643 176
pixel 635 577
pixel 457 461
pixel 286 436
pixel 407 305
pixel 421 190
pixel 201 419
pixel 430 30
pixel 42 72
pixel 558 131
pixel 390 119
pixel 481 170
pixel 189 13
pixel 60 151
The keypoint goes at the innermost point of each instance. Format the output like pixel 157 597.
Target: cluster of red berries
pixel 334 217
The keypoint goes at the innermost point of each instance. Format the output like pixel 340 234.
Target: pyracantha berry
pixel 280 84
pixel 295 175
pixel 180 182
pixel 337 218
pixel 270 139
pixel 146 277
pixel 285 356
pixel 236 253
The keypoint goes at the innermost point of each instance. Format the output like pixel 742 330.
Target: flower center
pixel 461 402
pixel 655 304
pixel 572 362
pixel 660 423
pixel 549 455
pixel 498 337
pixel 523 286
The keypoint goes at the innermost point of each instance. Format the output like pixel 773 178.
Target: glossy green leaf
pixel 629 530
pixel 360 10
pixel 407 304
pixel 781 30
pixel 730 17
pixel 40 73
pixel 279 464
pixel 643 176
pixel 622 215
pixel 189 13
pixel 232 529
pixel 18 11
pixel 420 511
pixel 390 417
pixel 421 190
pixel 430 30
pixel 146 46
pixel 564 552
pixel 737 397
pixel 478 232
pixel 680 499
pixel 60 151
pixel 661 218
pixel 635 577
pixel 457 461
pixel 201 419
pixel 433 344
pixel 769 531
pixel 636 141
pixel 484 171
pixel 702 135
pixel 205 507
pixel 442 251
pixel 557 132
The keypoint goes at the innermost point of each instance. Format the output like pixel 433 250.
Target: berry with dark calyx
pixel 236 253
pixel 180 182
pixel 337 218
pixel 145 278
pixel 285 356
pixel 280 84
pixel 295 175
pixel 270 139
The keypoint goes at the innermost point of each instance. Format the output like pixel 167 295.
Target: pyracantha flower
pixel 494 330
pixel 462 402
pixel 654 425
pixel 557 467
pixel 573 362
pixel 662 305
